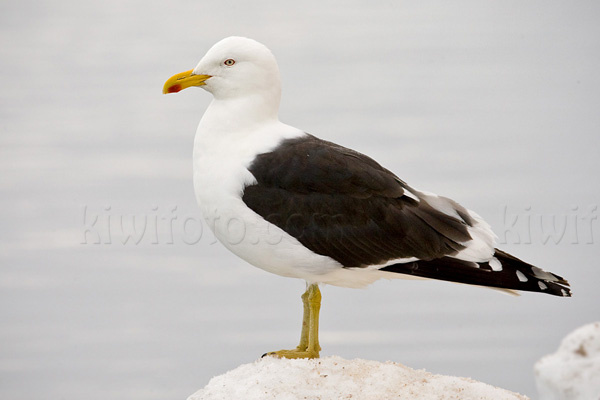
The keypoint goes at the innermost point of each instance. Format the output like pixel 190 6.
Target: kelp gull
pixel 301 207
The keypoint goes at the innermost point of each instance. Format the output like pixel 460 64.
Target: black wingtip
pixel 539 280
pixel 503 271
pixel 557 288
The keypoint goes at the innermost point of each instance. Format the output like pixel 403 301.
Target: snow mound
pixel 337 378
pixel 573 372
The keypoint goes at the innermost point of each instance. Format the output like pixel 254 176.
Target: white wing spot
pixel 495 264
pixel 542 285
pixel 521 276
pixel 411 195
pixel 545 275
pixel 564 292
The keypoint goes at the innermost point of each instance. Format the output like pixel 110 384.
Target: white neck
pixel 234 110
pixel 244 124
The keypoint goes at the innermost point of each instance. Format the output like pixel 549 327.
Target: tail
pixel 502 271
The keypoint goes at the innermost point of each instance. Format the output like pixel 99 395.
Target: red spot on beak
pixel 174 89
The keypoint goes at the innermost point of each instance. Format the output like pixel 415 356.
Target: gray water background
pixel 494 104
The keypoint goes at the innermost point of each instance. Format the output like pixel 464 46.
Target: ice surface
pixel 573 372
pixel 337 378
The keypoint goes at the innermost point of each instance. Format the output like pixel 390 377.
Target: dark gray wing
pixel 344 205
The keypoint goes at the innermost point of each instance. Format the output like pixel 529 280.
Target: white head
pixel 234 68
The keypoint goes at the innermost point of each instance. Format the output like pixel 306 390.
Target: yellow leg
pixel 303 345
pixel 309 338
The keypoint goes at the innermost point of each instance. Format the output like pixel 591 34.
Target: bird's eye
pixel 229 62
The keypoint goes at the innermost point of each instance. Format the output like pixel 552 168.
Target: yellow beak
pixel 184 80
